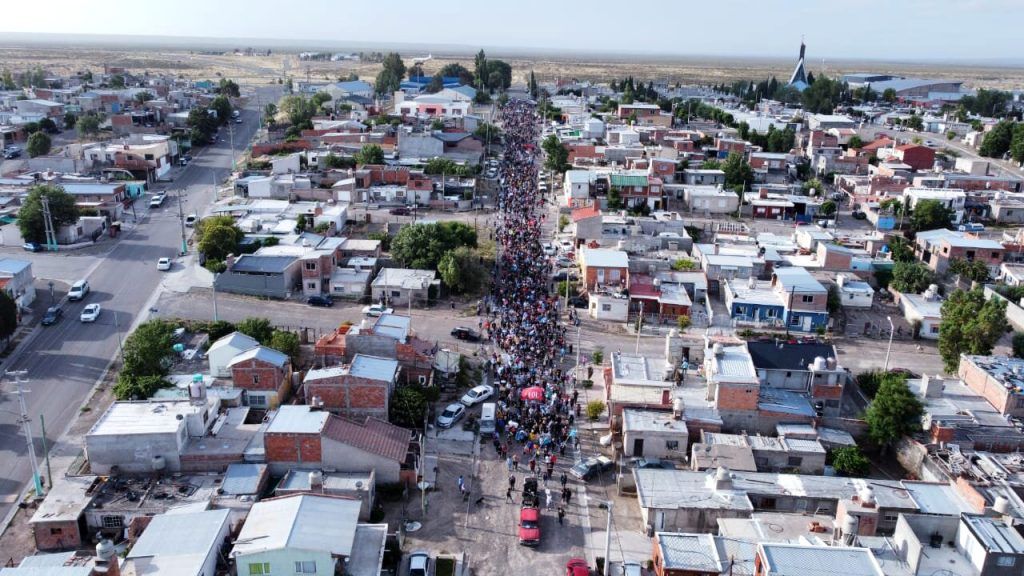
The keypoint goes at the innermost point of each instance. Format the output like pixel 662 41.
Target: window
pixel 789 374
pixel 148 157
pixel 257 400
pixel 995 255
pixel 259 569
pixel 969 254
pixel 606 307
pixel 113 521
pixel 311 285
pixel 305 567
pixel 891 517
pixel 311 265
pixel 1005 561
pixel 339 289
pixel 794 461
pixel 807 298
pixel 794 321
pixel 255 378
pixel 771 313
pixel 56 531
pixel 933 329
pixel 396 293
pixel 671 444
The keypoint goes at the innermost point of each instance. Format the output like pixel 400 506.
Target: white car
pixel 419 563
pixel 157 200
pixel 90 313
pixel 477 395
pixel 450 415
pixel 377 310
pixel 163 264
pixel 549 249
pixel 78 290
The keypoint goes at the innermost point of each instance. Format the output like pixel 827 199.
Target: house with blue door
pixel 805 299
pixel 753 302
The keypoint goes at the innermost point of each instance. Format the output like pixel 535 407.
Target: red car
pixel 577 567
pixel 529 526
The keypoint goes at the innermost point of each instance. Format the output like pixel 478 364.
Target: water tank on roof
pixel 157 463
pixel 867 496
pixel 316 479
pixel 820 364
pixel 195 388
pixel 105 550
pixel 718 349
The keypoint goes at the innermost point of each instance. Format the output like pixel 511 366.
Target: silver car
pixel 450 415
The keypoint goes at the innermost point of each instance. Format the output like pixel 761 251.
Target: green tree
pixel 286 342
pixel 219 329
pixel 229 88
pixel 998 141
pixel 455 70
pixel 201 123
pixel 894 412
pixel 822 96
pixel 130 387
pixel 421 246
pixel 390 77
pixel 461 271
pixel 973 270
pixel 834 303
pixel 8 317
pixel 683 322
pixel 849 461
pixel 299 110
pixel 914 123
pixel 436 85
pixel 30 217
pixel 69 120
pixel 38 145
pixel 370 154
pixel 7 80
pixel 145 355
pixel 614 198
pixel 220 239
pixel 117 81
pixel 143 97
pixel 320 98
pixel 737 172
pixel 557 156
pixel 532 85
pixel 813 184
pixel 900 249
pixel 855 142
pixel 480 70
pixel 1017 143
pixel 828 208
pixel 594 409
pixel 385 240
pixel 408 407
pixel 970 325
pixel 892 204
pixel 49 126
pixel 269 113
pixel 222 106
pixel 259 329
pixel 930 215
pixel 711 165
pixel 89 124
pixel 889 95
pixel 911 277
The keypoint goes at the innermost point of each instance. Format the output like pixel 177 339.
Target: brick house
pixel 265 375
pixel 916 156
pixel 389 337
pixel 360 445
pixel 996 378
pixel 806 300
pixel 357 390
pixel 317 266
pixel 637 189
pixel 937 247
pixel 292 438
pixel 604 267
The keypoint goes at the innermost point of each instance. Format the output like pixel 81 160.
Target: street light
pixel 888 350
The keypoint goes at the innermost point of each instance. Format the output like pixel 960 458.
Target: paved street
pixel 65 361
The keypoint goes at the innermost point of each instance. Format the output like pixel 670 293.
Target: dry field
pixel 687 70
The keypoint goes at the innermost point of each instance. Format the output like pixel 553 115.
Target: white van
pixel 487 412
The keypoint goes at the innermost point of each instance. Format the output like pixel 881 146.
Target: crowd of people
pixel 536 413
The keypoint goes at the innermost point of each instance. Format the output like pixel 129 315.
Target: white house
pixel 953 198
pixel 608 307
pixel 433 106
pixel 924 309
pixel 225 349
pixel 17 281
pixel 301 534
pixel 854 293
pixel 183 544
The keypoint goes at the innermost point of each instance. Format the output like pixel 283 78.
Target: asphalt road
pixel 66 360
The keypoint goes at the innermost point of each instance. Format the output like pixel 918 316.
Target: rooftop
pixel 263 354
pixel 806 560
pixel 995 535
pixel 257 264
pixel 297 419
pixel 243 478
pixel 799 279
pixel 374 367
pixel 179 543
pixel 733 364
pixel 300 521
pixel 373 436
pixel 146 417
pixel 788 355
pixel 651 421
pixel 405 278
pixel 635 370
pixel 393 325
pixel 604 258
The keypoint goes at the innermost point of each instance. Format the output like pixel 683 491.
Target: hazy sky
pixel 898 30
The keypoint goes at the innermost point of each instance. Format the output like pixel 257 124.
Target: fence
pixel 1014 313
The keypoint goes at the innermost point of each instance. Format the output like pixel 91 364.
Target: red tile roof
pixel 880 143
pixel 374 436
pixel 585 212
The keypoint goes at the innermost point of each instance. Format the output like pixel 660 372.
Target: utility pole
pixel 51 235
pixel 215 318
pixel 46 451
pixel 608 539
pixel 26 423
pixel 231 140
pixel 117 328
pixel 181 218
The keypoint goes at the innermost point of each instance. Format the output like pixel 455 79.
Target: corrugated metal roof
pixel 374 436
pixel 263 354
pixel 794 560
pixel 180 543
pixel 692 552
pixel 299 522
pixel 374 367
pixel 251 263
pixel 626 180
pixel 291 419
pixel 243 478
pixel 605 258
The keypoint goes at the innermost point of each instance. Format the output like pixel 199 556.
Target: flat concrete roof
pixel 150 417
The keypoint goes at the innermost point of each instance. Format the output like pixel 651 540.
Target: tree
pixel 390 77
pixel 970 325
pixel 69 120
pixel 286 342
pixel 408 407
pixel 421 246
pixel 930 215
pixel 1017 143
pixel 89 124
pixel 30 217
pixel 683 264
pixel 594 409
pixel 911 277
pixel 532 85
pixel 385 240
pixel 614 198
pixel 219 238
pixel 813 187
pixel 259 329
pixel 49 126
pixel 202 125
pixel 299 110
pixel 436 85
pixel 320 98
pixel 889 95
pixel 137 387
pixel 145 354
pixel 143 97
pixel 822 96
pixel 7 80
pixel 1018 344
pixel 914 123
pixel 370 154
pixel 855 142
pixel 849 461
pixel 117 81
pixel 229 88
pixel 894 412
pixel 900 249
pixel 828 208
pixel 461 271
pixel 38 145
pixel 480 70
pixel 737 172
pixel 973 270
pixel 895 205
pixel 222 106
pixel 455 70
pixel 834 302
pixel 557 156
pixel 683 321
pixel 269 112
pixel 998 141
pixel 8 317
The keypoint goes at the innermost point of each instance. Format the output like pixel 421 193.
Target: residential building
pixel 390 336
pixel 221 352
pixel 707 177
pixel 350 283
pixel 685 554
pixel 654 434
pixel 433 106
pixel 917 156
pixel 264 374
pixel 702 199
pixel 357 390
pixel 753 302
pixel 603 267
pixel 587 223
pixel 261 275
pixel 307 534
pixel 854 293
pixel 768 453
pixel 923 312
pixel 777 559
pixel 403 286
pixel 185 544
pixel 1005 209
pixel 807 367
pixel 999 379
pixel 937 248
pixel 17 281
pixel 359 486
pixel 806 300
pixel 955 199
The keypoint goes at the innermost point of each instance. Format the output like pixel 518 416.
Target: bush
pixel 594 410
pixel 848 461
pixel 587 384
pixel 683 321
pixel 219 329
pixel 869 382
pixel 597 356
pixel 1018 344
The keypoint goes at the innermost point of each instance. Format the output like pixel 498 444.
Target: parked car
pixel 191 220
pixel 549 249
pixel 163 264
pixel 377 310
pixel 466 334
pixel 858 215
pixel 399 211
pixel 578 302
pixel 564 275
pixel 419 563
pixel 562 262
pixel 591 467
pixel 78 290
pixel 12 153
pixel 477 395
pixel 577 567
pixel 320 301
pixel 52 316
pixel 32 247
pixel 529 526
pixel 90 313
pixel 971 227
pixel 652 463
pixel 157 201
pixel 450 415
